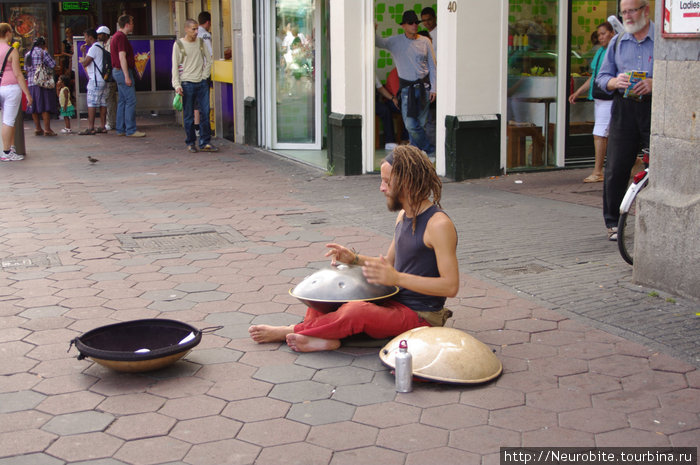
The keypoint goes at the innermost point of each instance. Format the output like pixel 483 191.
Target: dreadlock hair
pixel 413 175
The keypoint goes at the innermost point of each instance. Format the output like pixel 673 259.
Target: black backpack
pixel 106 70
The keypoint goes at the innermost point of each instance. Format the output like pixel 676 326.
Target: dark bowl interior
pixel 126 341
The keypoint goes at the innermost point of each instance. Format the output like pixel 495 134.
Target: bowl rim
pixel 369 299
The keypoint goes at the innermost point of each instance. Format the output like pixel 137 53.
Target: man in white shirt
pixel 191 67
pixel 93 62
pixel 204 33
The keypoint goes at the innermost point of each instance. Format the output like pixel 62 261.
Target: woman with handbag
pixel 11 87
pixel 39 65
pixel 603 103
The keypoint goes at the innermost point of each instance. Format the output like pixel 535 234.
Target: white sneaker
pixel 66 131
pixel 12 156
pixel 108 127
pixel 389 146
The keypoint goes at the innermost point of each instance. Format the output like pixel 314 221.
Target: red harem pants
pixel 377 321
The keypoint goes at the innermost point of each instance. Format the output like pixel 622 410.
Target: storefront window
pixel 532 70
pixel 28 21
pixel 295 62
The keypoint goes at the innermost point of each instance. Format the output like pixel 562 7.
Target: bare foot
pixel 266 333
pixel 301 343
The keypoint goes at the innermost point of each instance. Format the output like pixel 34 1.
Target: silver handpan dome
pixel 329 288
pixel 447 355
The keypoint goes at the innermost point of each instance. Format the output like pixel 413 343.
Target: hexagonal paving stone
pixel 630 437
pixel 208 296
pixel 216 355
pixel 483 439
pixel 14 443
pixel 231 390
pixel 70 402
pixel 593 420
pixel 364 394
pixel 559 366
pixel 587 350
pixel 454 416
pixel 625 401
pixel 527 381
pixel 442 455
pixel 387 414
pixel 269 433
pixel 132 403
pixel 284 373
pixel 618 365
pixel 558 400
pixel 523 418
pixel 76 423
pixel 22 420
pixel 326 359
pixel 180 387
pixel 665 420
pixel 411 438
pixel 256 409
pixel 301 391
pixel 228 451
pixel 201 286
pixel 17 401
pixel 428 394
pixel 342 436
pixel 32 459
pixel 87 446
pixel 592 383
pixel 141 425
pixel 652 382
pixel 321 412
pixel 199 430
pixel 295 454
pixel 192 407
pixel 340 376
pixel 492 397
pixel 152 451
pixel 687 400
pixel 555 437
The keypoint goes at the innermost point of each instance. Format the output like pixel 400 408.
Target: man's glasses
pixel 630 12
pixel 413 23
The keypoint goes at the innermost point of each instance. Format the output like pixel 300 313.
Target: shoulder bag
pixel 43 76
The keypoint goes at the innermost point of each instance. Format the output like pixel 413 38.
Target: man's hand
pixel 127 80
pixel 338 253
pixel 643 87
pixel 380 271
pixel 622 81
pixel 433 96
pixel 178 90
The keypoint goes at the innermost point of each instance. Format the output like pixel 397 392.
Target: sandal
pixel 50 133
pixel 100 131
pixel 38 132
pixel 594 178
pixel 87 132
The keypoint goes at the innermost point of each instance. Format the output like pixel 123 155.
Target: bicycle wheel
pixel 625 232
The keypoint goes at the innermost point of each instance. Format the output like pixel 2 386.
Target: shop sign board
pixel 681 18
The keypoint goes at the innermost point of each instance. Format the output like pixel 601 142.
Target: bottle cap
pixel 403 344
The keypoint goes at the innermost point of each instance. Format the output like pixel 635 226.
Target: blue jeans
pixel 196 95
pixel 416 126
pixel 126 103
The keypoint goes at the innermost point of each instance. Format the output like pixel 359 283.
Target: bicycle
pixel 628 211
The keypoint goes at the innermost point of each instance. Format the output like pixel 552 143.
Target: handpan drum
pixel 329 288
pixel 139 345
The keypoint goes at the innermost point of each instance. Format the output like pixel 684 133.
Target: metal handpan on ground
pixel 329 288
pixel 446 355
pixel 138 345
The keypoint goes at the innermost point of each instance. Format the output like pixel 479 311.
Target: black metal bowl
pixel 329 288
pixel 138 345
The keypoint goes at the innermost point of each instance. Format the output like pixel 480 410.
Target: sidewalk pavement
pixel 590 358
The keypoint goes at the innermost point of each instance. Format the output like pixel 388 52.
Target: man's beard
pixel 632 27
pixel 393 203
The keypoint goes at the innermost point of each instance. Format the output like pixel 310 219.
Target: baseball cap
pixel 103 30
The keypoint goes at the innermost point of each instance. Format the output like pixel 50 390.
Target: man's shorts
pixel 96 95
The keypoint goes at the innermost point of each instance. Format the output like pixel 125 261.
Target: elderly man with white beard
pixel 630 123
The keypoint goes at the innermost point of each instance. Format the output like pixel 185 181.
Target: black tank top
pixel 413 257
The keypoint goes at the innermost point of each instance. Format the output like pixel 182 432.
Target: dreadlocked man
pixel 421 261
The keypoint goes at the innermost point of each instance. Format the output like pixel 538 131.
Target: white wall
pixel 347 52
pixel 470 67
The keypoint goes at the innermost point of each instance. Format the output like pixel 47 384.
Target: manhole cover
pixel 179 240
pixel 36 261
pixel 530 268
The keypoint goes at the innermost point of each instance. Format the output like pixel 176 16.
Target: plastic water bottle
pixel 403 368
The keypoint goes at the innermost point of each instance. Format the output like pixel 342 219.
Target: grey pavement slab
pixel 590 358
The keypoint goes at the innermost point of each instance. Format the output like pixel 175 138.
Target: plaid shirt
pixel 39 55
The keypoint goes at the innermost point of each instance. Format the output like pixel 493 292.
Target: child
pixel 67 109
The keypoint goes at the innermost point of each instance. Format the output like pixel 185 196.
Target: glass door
pixel 295 103
pixel 533 42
